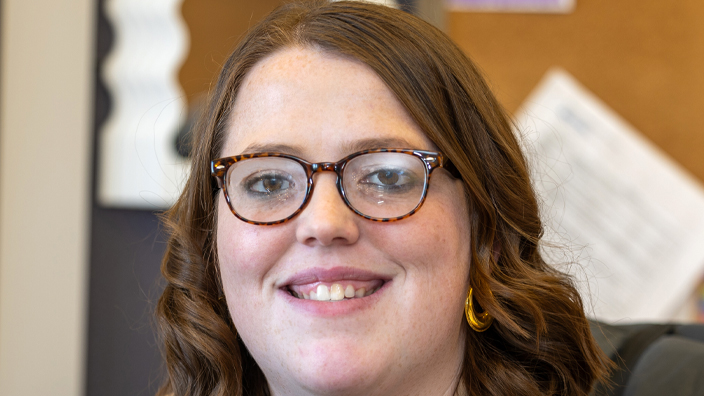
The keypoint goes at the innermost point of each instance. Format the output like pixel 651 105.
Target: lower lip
pixel 333 308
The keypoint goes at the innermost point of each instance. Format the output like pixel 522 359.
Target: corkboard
pixel 215 28
pixel 645 59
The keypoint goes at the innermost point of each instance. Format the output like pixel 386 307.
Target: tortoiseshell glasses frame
pixel 431 160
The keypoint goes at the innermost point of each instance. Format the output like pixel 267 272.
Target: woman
pixel 368 227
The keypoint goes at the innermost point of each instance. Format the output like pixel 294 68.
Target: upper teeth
pixel 336 292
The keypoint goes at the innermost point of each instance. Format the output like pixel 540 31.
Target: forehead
pixel 317 105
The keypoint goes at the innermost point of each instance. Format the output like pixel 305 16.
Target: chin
pixel 339 367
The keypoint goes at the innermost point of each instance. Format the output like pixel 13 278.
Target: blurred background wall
pixel 45 149
pixel 78 280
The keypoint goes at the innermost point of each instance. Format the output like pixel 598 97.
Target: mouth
pixel 335 284
pixel 336 291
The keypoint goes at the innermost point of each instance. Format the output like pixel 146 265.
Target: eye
pixel 269 183
pixel 388 180
pixel 387 177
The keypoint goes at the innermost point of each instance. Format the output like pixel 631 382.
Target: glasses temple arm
pixel 450 167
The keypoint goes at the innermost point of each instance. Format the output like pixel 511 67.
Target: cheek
pixel 433 248
pixel 246 254
pixel 444 228
pixel 434 243
pixel 245 251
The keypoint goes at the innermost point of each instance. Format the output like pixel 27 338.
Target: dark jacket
pixel 653 360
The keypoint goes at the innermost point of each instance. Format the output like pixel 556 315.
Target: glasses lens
pixel 266 189
pixel 384 185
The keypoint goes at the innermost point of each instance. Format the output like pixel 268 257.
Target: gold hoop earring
pixel 477 321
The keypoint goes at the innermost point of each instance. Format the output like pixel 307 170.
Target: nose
pixel 326 220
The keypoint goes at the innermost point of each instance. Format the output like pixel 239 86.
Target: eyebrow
pixel 347 147
pixel 274 148
pixel 374 143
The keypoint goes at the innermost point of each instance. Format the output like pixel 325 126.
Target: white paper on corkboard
pixel 539 6
pixel 630 217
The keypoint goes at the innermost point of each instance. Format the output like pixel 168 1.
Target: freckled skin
pixel 410 340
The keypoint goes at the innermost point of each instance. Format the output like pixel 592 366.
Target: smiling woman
pixel 356 196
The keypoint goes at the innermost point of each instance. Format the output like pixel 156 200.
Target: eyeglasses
pixel 379 185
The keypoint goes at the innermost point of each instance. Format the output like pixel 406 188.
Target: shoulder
pixel 654 359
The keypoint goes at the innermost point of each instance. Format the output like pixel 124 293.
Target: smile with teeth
pixel 335 292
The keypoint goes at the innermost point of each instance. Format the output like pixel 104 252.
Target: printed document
pixel 619 214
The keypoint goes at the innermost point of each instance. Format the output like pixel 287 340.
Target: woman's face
pixel 407 337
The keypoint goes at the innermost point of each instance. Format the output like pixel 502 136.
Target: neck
pixel 444 379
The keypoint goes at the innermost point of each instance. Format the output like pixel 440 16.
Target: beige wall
pixel 45 143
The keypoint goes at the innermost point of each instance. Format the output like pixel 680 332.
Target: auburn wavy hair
pixel 540 342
